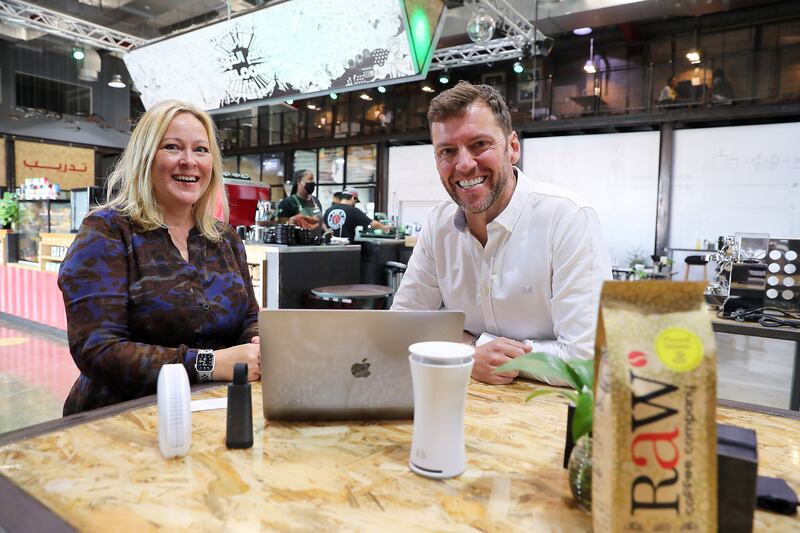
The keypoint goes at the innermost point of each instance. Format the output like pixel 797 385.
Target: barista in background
pixel 344 218
pixel 302 208
pixel 337 199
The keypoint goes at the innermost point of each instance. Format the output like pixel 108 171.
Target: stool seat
pixel 696 260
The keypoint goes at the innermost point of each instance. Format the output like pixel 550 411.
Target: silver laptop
pixel 344 364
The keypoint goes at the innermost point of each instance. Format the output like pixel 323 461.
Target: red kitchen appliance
pixel 243 195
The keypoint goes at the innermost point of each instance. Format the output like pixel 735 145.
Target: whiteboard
pixel 414 185
pixel 735 179
pixel 616 173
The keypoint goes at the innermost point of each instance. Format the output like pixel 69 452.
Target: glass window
pixel 362 163
pixel 272 169
pixel 331 165
pixel 291 125
pixel 319 122
pixel 230 164
pixel 250 165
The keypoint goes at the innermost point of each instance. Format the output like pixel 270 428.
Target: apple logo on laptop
pixel 361 370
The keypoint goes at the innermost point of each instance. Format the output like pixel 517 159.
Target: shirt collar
pixel 509 216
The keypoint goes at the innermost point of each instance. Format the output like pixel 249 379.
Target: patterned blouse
pixel 133 304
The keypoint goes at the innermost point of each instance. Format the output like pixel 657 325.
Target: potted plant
pixel 8 210
pixel 579 374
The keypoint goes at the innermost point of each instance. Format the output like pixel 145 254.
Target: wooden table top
pixel 108 475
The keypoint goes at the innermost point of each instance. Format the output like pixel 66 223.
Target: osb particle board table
pixel 106 474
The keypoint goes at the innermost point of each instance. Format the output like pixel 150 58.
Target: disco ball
pixel 481 27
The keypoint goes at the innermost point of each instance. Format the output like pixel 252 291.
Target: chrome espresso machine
pixel 756 276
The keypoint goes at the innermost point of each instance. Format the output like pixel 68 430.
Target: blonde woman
pixel 152 277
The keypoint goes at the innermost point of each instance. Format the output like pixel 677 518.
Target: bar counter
pixel 106 474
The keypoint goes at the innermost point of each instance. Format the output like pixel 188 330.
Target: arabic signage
pixel 302 47
pixel 69 167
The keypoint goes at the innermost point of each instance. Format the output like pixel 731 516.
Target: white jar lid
pixel 442 351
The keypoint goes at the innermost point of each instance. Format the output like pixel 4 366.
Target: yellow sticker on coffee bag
pixel 679 349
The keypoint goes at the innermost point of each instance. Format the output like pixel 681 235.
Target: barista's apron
pixel 309 211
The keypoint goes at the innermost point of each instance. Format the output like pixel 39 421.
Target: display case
pixel 52 250
pixel 37 217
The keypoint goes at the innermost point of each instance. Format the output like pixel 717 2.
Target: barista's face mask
pixel 309 187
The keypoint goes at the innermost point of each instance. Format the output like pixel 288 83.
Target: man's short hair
pixel 454 102
pixel 337 195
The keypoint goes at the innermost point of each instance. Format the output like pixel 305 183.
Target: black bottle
pixel 240 410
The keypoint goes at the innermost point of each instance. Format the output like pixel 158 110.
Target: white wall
pixel 414 185
pixel 617 173
pixel 735 179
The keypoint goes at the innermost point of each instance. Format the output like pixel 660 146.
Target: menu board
pixel 331 165
pixel 302 47
pixel 66 166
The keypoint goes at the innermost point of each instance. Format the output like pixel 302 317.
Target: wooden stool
pixel 699 260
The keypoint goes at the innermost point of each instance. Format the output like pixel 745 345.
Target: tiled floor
pixel 36 373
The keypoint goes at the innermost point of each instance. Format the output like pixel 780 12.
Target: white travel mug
pixel 440 373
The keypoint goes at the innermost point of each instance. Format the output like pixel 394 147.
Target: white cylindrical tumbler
pixel 440 373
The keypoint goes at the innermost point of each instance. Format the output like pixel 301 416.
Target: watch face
pixel 205 362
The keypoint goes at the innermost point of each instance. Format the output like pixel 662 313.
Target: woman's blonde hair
pixel 130 185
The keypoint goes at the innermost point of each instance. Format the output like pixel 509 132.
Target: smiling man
pixel 524 260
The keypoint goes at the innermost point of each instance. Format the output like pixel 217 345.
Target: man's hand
pixel 493 354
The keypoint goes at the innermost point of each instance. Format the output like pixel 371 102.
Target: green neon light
pixel 421 38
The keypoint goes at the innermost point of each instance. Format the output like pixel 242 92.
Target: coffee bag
pixel 654 464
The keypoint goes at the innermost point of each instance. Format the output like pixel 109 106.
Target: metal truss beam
pixel 473 54
pixel 521 37
pixel 66 26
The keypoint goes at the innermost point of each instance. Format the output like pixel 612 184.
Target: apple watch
pixel 204 365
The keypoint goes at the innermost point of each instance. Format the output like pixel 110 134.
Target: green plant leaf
pixel 584 369
pixel 569 395
pixel 544 365
pixel 582 418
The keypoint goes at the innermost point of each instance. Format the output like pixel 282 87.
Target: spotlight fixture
pixel 589 66
pixel 365 96
pixel 381 89
pixel 77 53
pixel 334 96
pixel 582 31
pixel 519 68
pixel 311 106
pixel 444 78
pixel 116 82
pixel 693 55
pixel 428 89
pixel 289 102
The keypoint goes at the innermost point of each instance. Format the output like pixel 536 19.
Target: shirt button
pixel 206 307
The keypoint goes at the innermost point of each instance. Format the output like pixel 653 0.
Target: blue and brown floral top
pixel 134 304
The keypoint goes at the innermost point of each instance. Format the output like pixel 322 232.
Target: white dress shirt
pixel 538 277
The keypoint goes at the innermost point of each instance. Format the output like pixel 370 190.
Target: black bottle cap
pixel 240 374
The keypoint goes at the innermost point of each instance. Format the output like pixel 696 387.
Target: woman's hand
pixel 225 359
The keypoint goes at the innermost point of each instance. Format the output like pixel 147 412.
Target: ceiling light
pixel 365 96
pixel 589 66
pixel 428 89
pixel 582 31
pixel 519 68
pixel 289 102
pixel 77 53
pixel 311 106
pixel 116 82
pixel 334 96
pixel 693 56
pixel 444 78
pixel 381 89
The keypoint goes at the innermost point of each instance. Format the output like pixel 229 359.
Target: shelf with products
pixel 52 249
